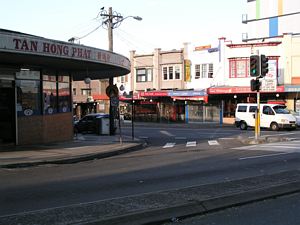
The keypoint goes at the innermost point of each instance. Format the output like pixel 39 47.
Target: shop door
pixel 7 112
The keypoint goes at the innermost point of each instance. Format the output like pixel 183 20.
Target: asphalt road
pixel 152 169
pixel 279 211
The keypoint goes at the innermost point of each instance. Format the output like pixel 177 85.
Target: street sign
pixel 112 90
pixel 268 85
pixel 114 101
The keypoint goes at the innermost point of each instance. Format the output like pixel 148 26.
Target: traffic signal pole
pixel 258 69
pixel 255 71
pixel 257 117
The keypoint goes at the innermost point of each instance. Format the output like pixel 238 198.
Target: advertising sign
pixel 269 82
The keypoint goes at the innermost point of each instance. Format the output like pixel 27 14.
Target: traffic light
pixel 255 84
pixel 264 65
pixel 254 66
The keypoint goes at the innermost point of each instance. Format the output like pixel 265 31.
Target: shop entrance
pixel 7 112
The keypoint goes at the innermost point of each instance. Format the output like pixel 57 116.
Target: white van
pixel 272 116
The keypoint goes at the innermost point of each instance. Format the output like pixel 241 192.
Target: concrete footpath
pixel 159 207
pixel 81 148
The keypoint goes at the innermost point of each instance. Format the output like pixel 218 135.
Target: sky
pixel 166 24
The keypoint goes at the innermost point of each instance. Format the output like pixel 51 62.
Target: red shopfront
pixel 230 96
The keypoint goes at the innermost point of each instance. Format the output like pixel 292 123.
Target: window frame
pixel 239 68
pixel 147 76
pixel 171 72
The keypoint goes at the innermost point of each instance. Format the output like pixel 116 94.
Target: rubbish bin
pixel 102 125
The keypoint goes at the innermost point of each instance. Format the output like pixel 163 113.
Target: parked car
pixel 297 116
pixel 272 116
pixel 90 123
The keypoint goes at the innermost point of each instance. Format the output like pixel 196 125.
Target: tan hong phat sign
pixel 26 44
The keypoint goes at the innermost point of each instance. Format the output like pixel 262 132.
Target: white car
pixel 297 116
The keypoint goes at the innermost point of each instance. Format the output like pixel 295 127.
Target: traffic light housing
pixel 264 65
pixel 254 66
pixel 255 85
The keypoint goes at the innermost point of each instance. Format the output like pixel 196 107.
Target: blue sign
pixel 186 93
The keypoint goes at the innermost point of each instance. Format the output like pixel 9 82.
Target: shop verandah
pixel 213 107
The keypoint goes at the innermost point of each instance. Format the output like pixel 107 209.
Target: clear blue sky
pixel 166 24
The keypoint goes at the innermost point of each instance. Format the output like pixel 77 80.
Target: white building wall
pixel 205 57
pixel 259 14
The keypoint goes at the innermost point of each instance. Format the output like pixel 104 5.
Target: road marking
pixel 73 148
pixel 143 137
pixel 228 138
pixel 169 145
pixel 167 133
pixel 213 142
pixel 191 144
pixel 262 156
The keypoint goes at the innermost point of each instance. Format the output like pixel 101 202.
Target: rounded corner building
pixel 36 77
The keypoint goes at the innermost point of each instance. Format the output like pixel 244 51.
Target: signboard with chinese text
pixel 269 82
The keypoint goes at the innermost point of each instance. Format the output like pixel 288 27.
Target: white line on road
pixel 213 142
pixel 73 148
pixel 169 145
pixel 262 156
pixel 143 137
pixel 191 144
pixel 167 133
pixel 228 138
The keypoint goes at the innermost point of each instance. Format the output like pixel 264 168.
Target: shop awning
pixel 23 50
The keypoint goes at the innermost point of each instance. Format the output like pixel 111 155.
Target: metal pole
pixel 132 117
pixel 257 134
pixel 257 116
pixel 111 79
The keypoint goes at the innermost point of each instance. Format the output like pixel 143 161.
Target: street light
pixel 112 20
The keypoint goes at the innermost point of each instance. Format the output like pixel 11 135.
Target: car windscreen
pixel 281 109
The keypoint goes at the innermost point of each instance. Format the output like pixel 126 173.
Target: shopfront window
pixel 49 94
pixel 64 97
pixel 28 93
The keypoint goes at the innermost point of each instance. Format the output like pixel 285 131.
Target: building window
pixel 172 72
pixel 50 94
pixel 204 70
pixel 64 96
pixel 239 68
pixel 165 73
pixel 144 75
pixel 210 70
pixel 28 93
pixel 177 72
pixel 122 79
pixel 197 71
pixel 74 91
pixel 86 91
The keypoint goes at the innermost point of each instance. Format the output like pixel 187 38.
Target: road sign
pixel 114 101
pixel 112 90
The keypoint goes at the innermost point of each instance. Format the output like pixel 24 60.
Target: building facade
pixel 214 78
pixel 36 76
pixel 271 18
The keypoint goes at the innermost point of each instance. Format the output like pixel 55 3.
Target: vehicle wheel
pixel 274 126
pixel 243 125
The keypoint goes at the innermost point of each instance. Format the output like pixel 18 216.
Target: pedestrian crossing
pixel 280 147
pixel 188 144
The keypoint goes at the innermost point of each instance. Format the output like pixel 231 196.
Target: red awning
pixel 100 97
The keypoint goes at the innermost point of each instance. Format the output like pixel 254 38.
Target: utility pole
pixel 111 79
pixel 112 20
